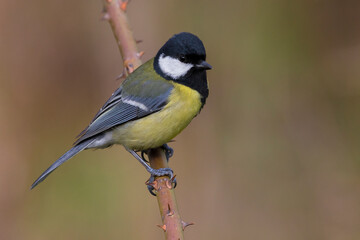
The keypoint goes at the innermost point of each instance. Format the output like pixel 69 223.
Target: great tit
pixel 153 104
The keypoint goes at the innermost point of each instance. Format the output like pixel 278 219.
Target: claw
pixel 169 152
pixel 151 185
pixel 143 156
pixel 173 180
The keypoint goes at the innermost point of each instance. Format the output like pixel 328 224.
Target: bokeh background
pixel 273 155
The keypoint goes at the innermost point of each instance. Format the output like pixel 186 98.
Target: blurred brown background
pixel 273 155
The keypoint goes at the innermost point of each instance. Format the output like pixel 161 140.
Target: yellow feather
pixel 161 127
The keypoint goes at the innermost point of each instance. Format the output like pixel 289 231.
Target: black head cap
pixel 183 44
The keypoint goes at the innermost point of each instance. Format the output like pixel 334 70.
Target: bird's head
pixel 180 57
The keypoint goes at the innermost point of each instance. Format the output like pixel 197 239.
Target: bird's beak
pixel 204 65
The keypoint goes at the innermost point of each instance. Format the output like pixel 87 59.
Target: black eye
pixel 182 58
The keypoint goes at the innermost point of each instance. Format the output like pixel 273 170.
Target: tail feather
pixel 69 154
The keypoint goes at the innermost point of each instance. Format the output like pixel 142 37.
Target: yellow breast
pixel 161 127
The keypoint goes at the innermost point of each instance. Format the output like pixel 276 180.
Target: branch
pixel 115 12
pixel 173 226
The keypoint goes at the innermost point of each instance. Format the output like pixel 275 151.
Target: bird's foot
pixel 169 152
pixel 161 172
pixel 151 185
pixel 156 172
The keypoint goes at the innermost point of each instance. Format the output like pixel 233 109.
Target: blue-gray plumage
pixel 154 103
pixel 69 154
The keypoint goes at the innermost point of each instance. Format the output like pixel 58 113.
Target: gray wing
pixel 128 103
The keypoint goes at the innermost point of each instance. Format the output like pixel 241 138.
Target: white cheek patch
pixel 173 67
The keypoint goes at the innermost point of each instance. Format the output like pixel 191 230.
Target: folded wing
pixel 136 98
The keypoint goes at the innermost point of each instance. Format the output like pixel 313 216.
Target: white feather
pixel 173 67
pixel 136 104
pixel 103 141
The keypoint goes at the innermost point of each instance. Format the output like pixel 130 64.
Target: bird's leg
pixel 154 172
pixel 169 152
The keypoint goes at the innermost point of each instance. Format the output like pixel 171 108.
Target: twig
pixel 173 226
pixel 114 11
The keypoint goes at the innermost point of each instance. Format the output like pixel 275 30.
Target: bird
pixel 152 105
